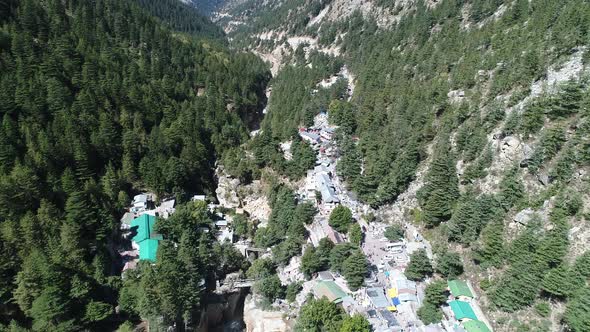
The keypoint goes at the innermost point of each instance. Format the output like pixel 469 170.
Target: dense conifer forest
pixel 103 99
pixel 182 17
pixel 402 116
pixel 99 100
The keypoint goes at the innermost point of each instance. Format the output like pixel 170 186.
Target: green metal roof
pixel 146 237
pixel 330 290
pixel 476 326
pixel 148 250
pixel 459 288
pixel 462 310
pixel 145 225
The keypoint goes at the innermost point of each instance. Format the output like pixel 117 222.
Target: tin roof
pixel 459 288
pixel 462 310
pixel 476 326
pixel 329 290
pixel 377 297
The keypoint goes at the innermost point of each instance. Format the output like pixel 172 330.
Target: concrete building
pixel 377 298
pixel 327 133
pixel 310 137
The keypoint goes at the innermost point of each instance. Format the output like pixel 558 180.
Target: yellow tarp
pixel 392 308
pixel 392 292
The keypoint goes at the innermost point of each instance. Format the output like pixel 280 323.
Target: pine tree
pixel 355 234
pixel 567 101
pixel 449 264
pixel 438 195
pixel 341 218
pixel 577 312
pixel 310 262
pixel 555 281
pixel 355 323
pixel 533 118
pixel 463 224
pixel 511 189
pixel 354 269
pixel 491 250
pixel 419 266
pixel 320 315
pixel 339 254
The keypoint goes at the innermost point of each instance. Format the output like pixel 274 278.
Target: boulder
pixel 500 135
pixel 544 178
pixel 525 163
pixel 527 151
pixel 523 217
pixel 510 142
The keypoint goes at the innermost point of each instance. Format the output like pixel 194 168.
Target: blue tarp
pixel 387 273
pixel 395 301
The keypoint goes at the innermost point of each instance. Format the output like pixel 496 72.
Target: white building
pixel 309 137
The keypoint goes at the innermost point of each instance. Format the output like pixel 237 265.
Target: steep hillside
pixel 100 100
pixel 468 118
pixel 206 7
pixel 182 17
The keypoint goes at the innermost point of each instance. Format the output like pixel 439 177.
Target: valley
pixel 295 165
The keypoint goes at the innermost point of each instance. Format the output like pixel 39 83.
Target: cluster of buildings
pixel 139 222
pixel 461 313
pixel 320 132
pixel 223 230
pixel 389 301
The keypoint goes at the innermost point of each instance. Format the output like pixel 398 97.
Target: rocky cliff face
pixel 260 320
pixel 235 195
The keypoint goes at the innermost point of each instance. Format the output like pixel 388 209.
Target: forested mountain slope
pixel 99 100
pixel 207 7
pixel 469 118
pixel 181 18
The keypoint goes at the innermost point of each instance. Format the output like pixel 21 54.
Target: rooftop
pixel 146 238
pixel 405 297
pixel 141 198
pixel 311 136
pixel 476 326
pixel 329 290
pixel 145 224
pixel 389 317
pixel 328 195
pixel 169 204
pixel 377 297
pixel 220 223
pixel 127 218
pixel 198 198
pixel 462 310
pixel 459 288
pixel 405 284
pixel 325 275
pixel 148 250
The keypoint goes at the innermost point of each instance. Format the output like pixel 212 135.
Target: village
pixel 388 300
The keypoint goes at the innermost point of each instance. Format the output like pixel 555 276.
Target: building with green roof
pixel 145 236
pixel 462 310
pixel 459 288
pixel 476 326
pixel 329 290
pixel 145 224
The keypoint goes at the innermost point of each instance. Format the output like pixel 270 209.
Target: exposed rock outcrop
pixel 231 193
pixel 259 320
